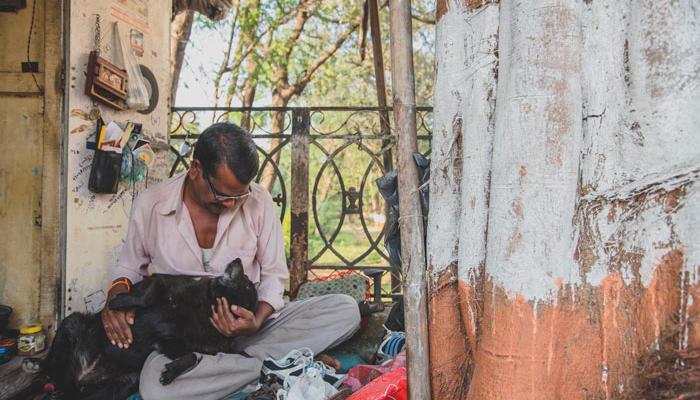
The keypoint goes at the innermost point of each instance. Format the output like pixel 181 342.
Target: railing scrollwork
pixel 319 164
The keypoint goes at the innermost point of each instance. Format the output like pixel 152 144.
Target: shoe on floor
pixel 392 345
pixel 295 364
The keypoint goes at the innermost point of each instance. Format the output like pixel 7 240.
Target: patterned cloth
pixel 352 284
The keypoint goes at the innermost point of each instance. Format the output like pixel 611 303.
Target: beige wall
pixel 29 162
pixel 96 223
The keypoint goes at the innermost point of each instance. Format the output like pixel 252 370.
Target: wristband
pixel 120 281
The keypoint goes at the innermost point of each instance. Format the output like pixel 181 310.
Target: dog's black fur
pixel 171 316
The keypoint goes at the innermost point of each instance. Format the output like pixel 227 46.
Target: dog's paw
pixel 168 376
pixel 178 367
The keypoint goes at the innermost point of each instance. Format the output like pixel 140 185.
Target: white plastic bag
pixel 137 94
pixel 310 386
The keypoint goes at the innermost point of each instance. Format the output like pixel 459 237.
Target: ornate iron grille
pixel 319 164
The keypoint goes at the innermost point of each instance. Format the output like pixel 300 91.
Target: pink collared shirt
pixel 161 234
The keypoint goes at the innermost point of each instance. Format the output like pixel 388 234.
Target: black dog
pixel 171 316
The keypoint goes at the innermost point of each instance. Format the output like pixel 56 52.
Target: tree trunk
pixel 248 95
pixel 565 216
pixel 180 29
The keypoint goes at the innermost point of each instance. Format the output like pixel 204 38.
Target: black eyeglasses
pixel 222 197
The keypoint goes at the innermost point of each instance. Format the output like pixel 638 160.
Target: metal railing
pixel 319 164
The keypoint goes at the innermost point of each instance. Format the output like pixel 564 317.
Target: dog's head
pixel 233 272
pixel 235 286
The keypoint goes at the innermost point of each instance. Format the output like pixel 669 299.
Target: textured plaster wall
pixel 97 223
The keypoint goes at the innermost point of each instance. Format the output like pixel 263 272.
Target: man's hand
pixel 233 320
pixel 117 324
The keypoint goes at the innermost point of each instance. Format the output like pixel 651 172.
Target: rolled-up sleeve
pixel 271 257
pixel 133 259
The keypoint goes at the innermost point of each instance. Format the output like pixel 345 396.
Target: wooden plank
pixel 411 219
pixel 20 84
pixel 52 189
pixel 299 247
pixel 378 61
pixel 21 123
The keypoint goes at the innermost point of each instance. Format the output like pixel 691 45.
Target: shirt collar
pixel 173 202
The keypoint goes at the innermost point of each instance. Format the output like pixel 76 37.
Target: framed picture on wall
pixel 106 82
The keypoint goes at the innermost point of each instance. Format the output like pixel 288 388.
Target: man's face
pixel 219 191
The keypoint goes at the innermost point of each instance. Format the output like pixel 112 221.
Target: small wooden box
pixel 106 82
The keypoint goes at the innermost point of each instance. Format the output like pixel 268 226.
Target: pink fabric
pixel 161 234
pixel 361 375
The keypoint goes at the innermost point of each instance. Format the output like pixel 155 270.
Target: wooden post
pixel 411 216
pixel 299 247
pixel 52 190
pixel 378 61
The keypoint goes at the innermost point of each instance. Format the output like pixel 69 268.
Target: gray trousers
pixel 318 323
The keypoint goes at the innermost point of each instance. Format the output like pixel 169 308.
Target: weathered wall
pixel 30 132
pixel 96 223
pixel 564 230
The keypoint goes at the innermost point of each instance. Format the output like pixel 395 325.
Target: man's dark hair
pixel 230 144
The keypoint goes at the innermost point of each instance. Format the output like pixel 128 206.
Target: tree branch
pixel 304 80
pixel 251 47
pixel 425 20
pixel 227 56
pixel 302 15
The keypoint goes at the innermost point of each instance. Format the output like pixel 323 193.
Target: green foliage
pixel 348 80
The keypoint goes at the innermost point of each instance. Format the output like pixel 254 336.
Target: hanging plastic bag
pixel 310 386
pixel 137 97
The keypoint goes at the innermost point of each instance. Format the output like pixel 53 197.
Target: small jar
pixel 32 339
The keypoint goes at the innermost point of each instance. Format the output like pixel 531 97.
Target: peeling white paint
pixel 640 77
pixel 664 53
pixel 477 143
pixel 594 163
pixel 641 68
pixel 648 228
pixel 604 90
pixel 536 148
pixel 464 99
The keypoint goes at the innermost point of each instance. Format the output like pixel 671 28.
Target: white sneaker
pixel 295 364
pixel 292 364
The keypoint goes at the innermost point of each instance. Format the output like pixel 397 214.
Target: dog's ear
pixel 234 269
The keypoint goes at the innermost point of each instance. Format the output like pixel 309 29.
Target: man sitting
pixel 193 224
